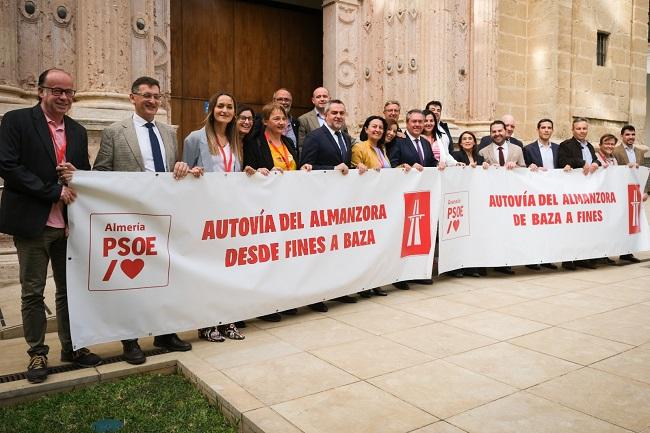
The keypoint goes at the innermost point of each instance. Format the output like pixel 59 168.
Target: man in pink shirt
pixel 40 147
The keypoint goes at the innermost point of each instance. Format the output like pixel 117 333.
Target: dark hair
pixel 544 120
pixel 43 77
pixel 243 108
pixel 497 122
pixel 144 80
pixel 329 104
pixel 608 137
pixel 434 103
pixel 426 113
pixel 474 149
pixel 363 135
pixel 627 128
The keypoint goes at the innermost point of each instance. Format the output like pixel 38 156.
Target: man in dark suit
pixel 577 152
pixel 40 147
pixel 328 148
pixel 542 154
pixel 412 151
pixel 140 143
pixel 443 129
pixel 509 121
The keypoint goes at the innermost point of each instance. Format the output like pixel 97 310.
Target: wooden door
pixel 245 48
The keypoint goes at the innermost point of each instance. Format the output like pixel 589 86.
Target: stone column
pixel 10 91
pixel 340 54
pixel 483 93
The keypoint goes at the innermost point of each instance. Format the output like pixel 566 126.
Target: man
pixel 284 98
pixel 542 154
pixel 443 129
pixel 139 143
pixel 503 153
pixel 392 109
pixel 315 118
pixel 35 144
pixel 625 154
pixel 577 152
pixel 500 151
pixel 509 122
pixel 328 148
pixel 412 151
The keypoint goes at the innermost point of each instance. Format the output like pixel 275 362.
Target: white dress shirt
pixel 142 133
pixel 547 155
pixel 505 146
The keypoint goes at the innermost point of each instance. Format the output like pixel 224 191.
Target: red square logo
pixel 416 234
pixel 634 208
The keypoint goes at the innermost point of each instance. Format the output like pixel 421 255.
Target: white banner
pixel 149 255
pixel 501 217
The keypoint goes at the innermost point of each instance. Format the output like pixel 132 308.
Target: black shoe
pixel 378 291
pixel 630 258
pixel 549 266
pixel 273 317
pixel 81 358
pixel 423 281
pixel 171 342
pixel 290 312
pixel 457 274
pixel 37 369
pixel 402 285
pixel 505 270
pixel 240 324
pixel 132 352
pixel 346 299
pixel 607 261
pixel 475 274
pixel 569 266
pixel 319 306
pixel 587 264
pixel 365 294
pixel 534 267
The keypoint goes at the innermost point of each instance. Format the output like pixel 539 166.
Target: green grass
pixel 145 403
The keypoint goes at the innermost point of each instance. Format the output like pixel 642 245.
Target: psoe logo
pixel 455 215
pixel 416 235
pixel 634 208
pixel 128 251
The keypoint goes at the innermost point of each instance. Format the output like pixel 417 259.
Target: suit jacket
pixel 621 155
pixel 28 167
pixel 461 156
pixel 322 151
pixel 364 153
pixel 257 153
pixel 403 152
pixel 487 140
pixel 532 154
pixel 515 154
pixel 570 153
pixel 196 152
pixel 308 122
pixel 119 149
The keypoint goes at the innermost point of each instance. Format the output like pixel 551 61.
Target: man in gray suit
pixel 140 143
pixel 315 118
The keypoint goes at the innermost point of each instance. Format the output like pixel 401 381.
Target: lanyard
pixel 59 149
pixel 282 151
pixel 227 166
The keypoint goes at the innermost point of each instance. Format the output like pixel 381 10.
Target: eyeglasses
pixel 156 96
pixel 57 91
pixel 243 119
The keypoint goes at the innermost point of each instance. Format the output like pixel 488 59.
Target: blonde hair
pixel 231 129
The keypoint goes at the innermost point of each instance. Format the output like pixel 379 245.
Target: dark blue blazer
pixel 533 156
pixel 28 167
pixel 322 151
pixel 403 152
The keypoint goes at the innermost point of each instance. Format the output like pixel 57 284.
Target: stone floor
pixel 548 351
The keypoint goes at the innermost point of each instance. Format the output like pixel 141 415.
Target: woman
pixel 217 147
pixel 441 153
pixel 371 152
pixel 272 151
pixel 391 133
pixel 245 119
pixel 605 152
pixel 468 153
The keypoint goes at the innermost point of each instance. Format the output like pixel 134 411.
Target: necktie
pixel 155 149
pixel 502 159
pixel 339 138
pixel 420 154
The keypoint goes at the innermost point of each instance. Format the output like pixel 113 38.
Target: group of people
pixel 41 147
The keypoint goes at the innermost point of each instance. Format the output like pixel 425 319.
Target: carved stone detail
pixel 26 4
pixel 346 13
pixel 62 15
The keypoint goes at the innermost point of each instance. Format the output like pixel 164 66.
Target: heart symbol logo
pixel 132 268
pixel 456 224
